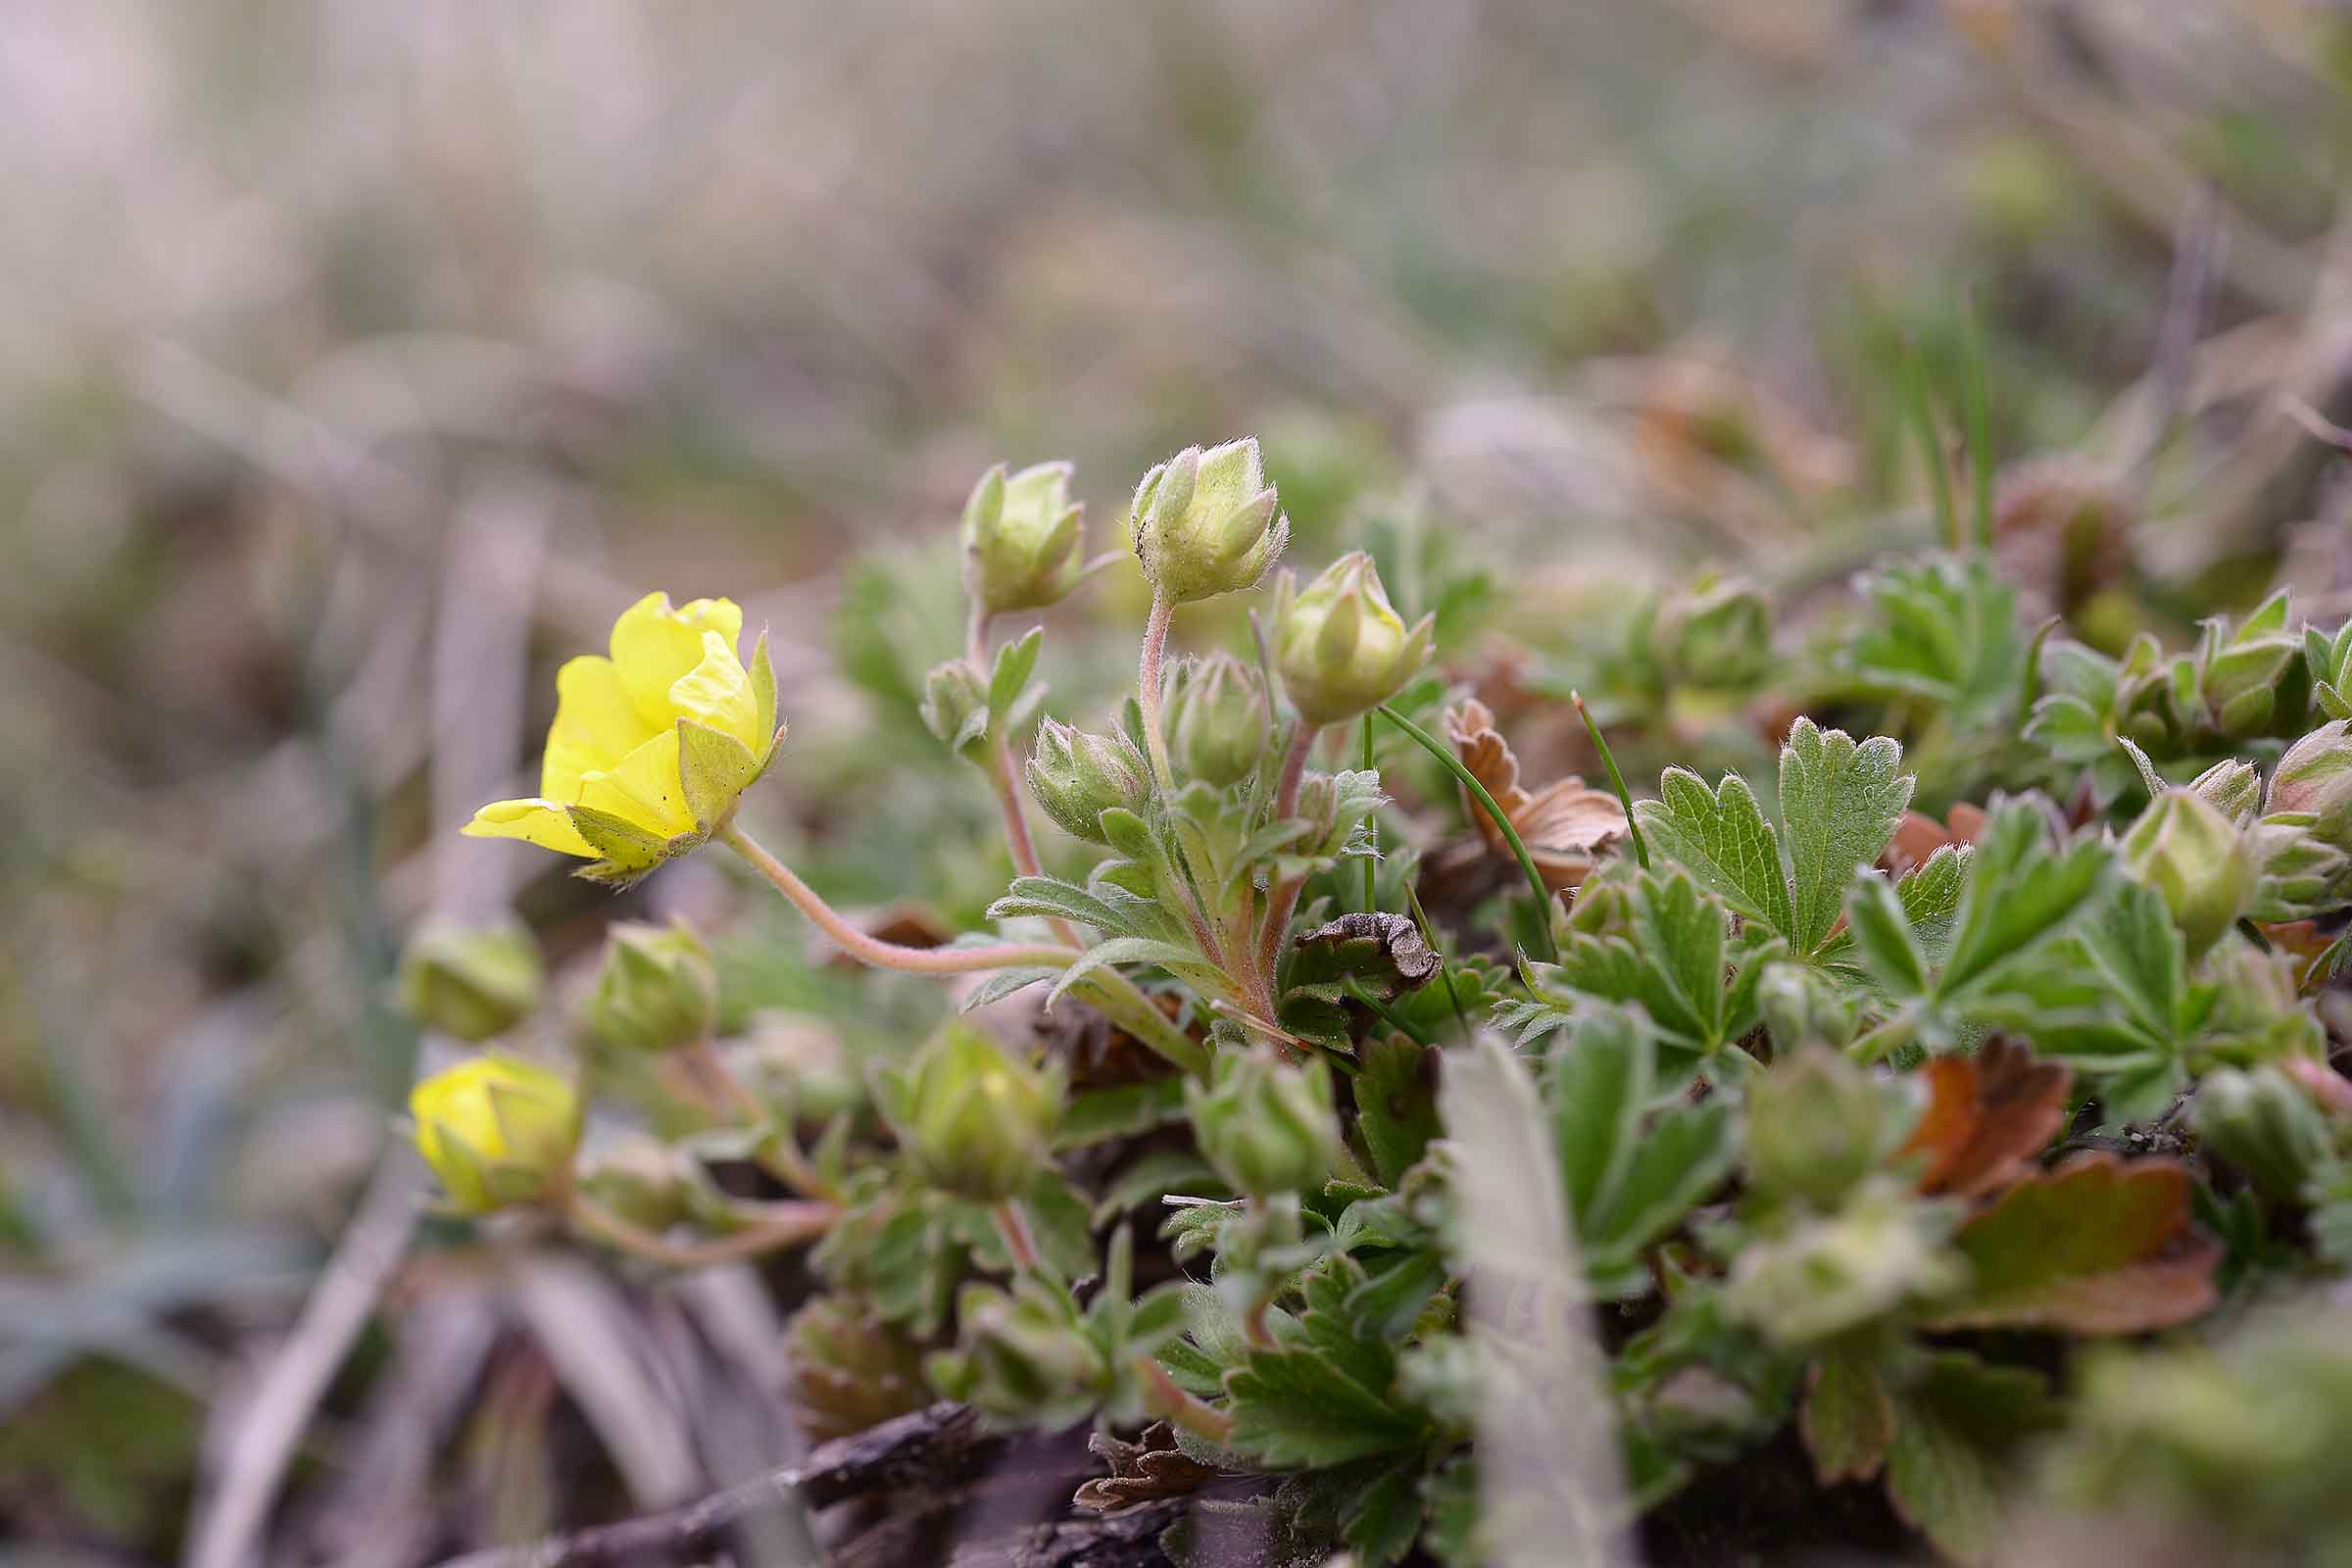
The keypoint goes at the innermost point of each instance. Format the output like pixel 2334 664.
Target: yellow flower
pixel 650 747
pixel 497 1130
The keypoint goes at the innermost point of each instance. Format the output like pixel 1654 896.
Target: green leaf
pixel 1602 1081
pixel 1123 950
pixel 1396 1102
pixel 1671 961
pixel 1942 629
pixel 1840 804
pixel 1385 1520
pixel 1009 678
pixel 1389 1303
pixel 1883 935
pixel 1722 838
pixel 1294 1407
pixel 1099 1115
pixel 1848 1420
pixel 1949 1468
pixel 715 768
pixel 2019 892
pixel 1682 1157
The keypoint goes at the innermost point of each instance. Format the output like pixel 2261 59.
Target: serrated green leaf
pixel 1840 804
pixel 1883 937
pixel 1396 1109
pixel 1720 836
pixel 1122 1111
pixel 1009 678
pixel 1293 1407
pixel 1948 1467
pixel 1385 1520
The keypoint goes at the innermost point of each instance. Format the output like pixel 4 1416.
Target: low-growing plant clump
pixel 1371 1149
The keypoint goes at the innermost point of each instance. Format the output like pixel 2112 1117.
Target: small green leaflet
pixel 1840 803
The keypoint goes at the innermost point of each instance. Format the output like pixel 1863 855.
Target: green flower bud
pixel 637 1177
pixel 972 1120
pixel 1207 522
pixel 497 1130
pixel 2188 852
pixel 1803 1007
pixel 2315 779
pixel 1339 646
pixel 1021 1357
pixel 1076 777
pixel 2266 1125
pixel 1879 1249
pixel 2233 788
pixel 849 1368
pixel 1218 719
pixel 1717 636
pixel 472 982
pixel 1264 1125
pixel 1023 538
pixel 956 707
pixel 1817 1125
pixel 658 989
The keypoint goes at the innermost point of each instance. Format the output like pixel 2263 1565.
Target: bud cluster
pixel 1339 644
pixel 972 1120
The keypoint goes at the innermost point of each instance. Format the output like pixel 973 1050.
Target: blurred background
pixel 360 362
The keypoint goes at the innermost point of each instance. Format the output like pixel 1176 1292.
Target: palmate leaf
pixel 1840 804
pixel 1943 629
pixel 1671 961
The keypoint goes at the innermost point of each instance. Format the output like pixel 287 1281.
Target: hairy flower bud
pixel 974 1120
pixel 1021 1356
pixel 851 1368
pixel 638 1178
pixel 1077 776
pixel 1718 635
pixel 1023 538
pixel 2266 1124
pixel 1817 1125
pixel 955 706
pixel 2188 850
pixel 1264 1125
pixel 497 1130
pixel 1803 1008
pixel 1218 719
pixel 472 982
pixel 1340 647
pixel 2233 788
pixel 2315 779
pixel 1207 522
pixel 658 989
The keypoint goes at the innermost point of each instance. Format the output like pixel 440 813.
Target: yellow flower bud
pixel 1340 647
pixel 1207 522
pixel 650 747
pixel 1024 541
pixel 497 1130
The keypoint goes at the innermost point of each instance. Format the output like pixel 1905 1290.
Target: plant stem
pixel 1126 1006
pixel 1013 1225
pixel 779 1152
pixel 1147 687
pixel 1479 792
pixel 785 1225
pixel 1016 826
pixel 1283 897
pixel 1188 1410
pixel 1609 759
pixel 1372 860
pixel 888 954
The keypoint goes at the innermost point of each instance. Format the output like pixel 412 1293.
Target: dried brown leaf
pixel 1988 1117
pixel 1566 827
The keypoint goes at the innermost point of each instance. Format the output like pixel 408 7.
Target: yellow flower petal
pixel 718 693
pixel 654 646
pixel 644 789
pixel 542 822
pixel 596 726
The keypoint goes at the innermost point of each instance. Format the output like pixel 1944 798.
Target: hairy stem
pixel 784 1225
pixel 1013 1225
pixel 1016 826
pixel 1186 1410
pixel 1147 687
pixel 888 954
pixel 779 1152
pixel 1282 897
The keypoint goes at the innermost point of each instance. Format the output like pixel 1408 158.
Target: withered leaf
pixel 1919 836
pixel 1566 826
pixel 1988 1117
pixel 2097 1245
pixel 1386 948
pixel 1151 1467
